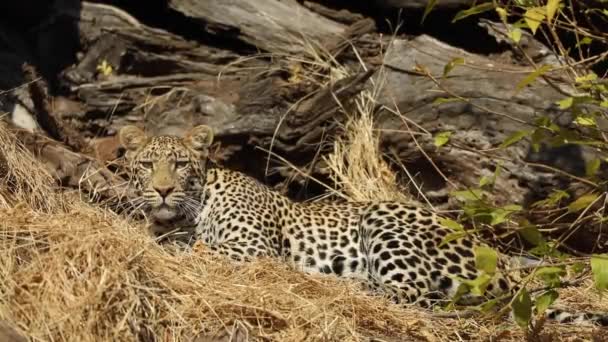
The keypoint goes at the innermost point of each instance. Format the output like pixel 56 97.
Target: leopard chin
pixel 164 213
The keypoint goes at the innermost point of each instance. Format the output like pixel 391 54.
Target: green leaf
pixel 451 64
pixel 479 212
pixel 500 215
pixel 599 267
pixel 467 195
pixel 429 7
pixel 542 249
pixel 543 121
pixel 531 234
pixel 538 137
pixel 550 275
pixel 585 120
pixel 515 137
pixel 544 301
pixel 556 196
pixel 488 305
pixel 565 103
pixel 486 259
pixel 604 104
pixel 511 208
pixel 105 68
pixel 522 308
pixel 515 34
pixel 478 285
pixel 552 6
pixel 502 13
pixel 582 202
pixel 587 78
pixel 472 11
pixel 453 225
pixel 498 170
pixel 585 41
pixel 451 237
pixel 592 167
pixel 462 290
pixel 485 180
pixel 532 76
pixel 442 138
pixel 577 268
pixel 534 16
pixel 550 270
pixel 547 249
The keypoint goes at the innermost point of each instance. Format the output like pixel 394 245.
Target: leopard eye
pixel 180 164
pixel 146 164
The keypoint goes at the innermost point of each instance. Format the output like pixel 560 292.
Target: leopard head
pixel 167 172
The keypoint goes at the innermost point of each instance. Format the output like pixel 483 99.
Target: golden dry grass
pixel 20 179
pixel 81 274
pixel 356 166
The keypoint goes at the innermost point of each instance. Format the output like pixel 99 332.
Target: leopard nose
pixel 164 191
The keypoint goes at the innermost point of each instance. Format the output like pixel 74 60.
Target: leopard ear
pixel 132 137
pixel 199 138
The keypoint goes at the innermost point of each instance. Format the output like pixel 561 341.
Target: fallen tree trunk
pixel 75 170
pixel 479 104
pixel 167 84
pixel 282 27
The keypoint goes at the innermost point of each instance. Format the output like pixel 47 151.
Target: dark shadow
pixel 39 33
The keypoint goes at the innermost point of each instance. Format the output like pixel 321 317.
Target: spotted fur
pixel 395 248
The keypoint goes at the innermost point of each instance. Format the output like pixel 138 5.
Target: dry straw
pixel 20 179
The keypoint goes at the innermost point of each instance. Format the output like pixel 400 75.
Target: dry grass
pixel 81 274
pixel 20 181
pixel 356 165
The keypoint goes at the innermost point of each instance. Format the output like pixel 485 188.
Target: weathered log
pixel 143 61
pixel 131 47
pixel 308 121
pixel 340 15
pixel 283 27
pixel 258 113
pixel 182 74
pixel 485 109
pixel 526 50
pixel 72 169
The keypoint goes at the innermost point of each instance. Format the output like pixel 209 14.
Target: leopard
pixel 400 250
